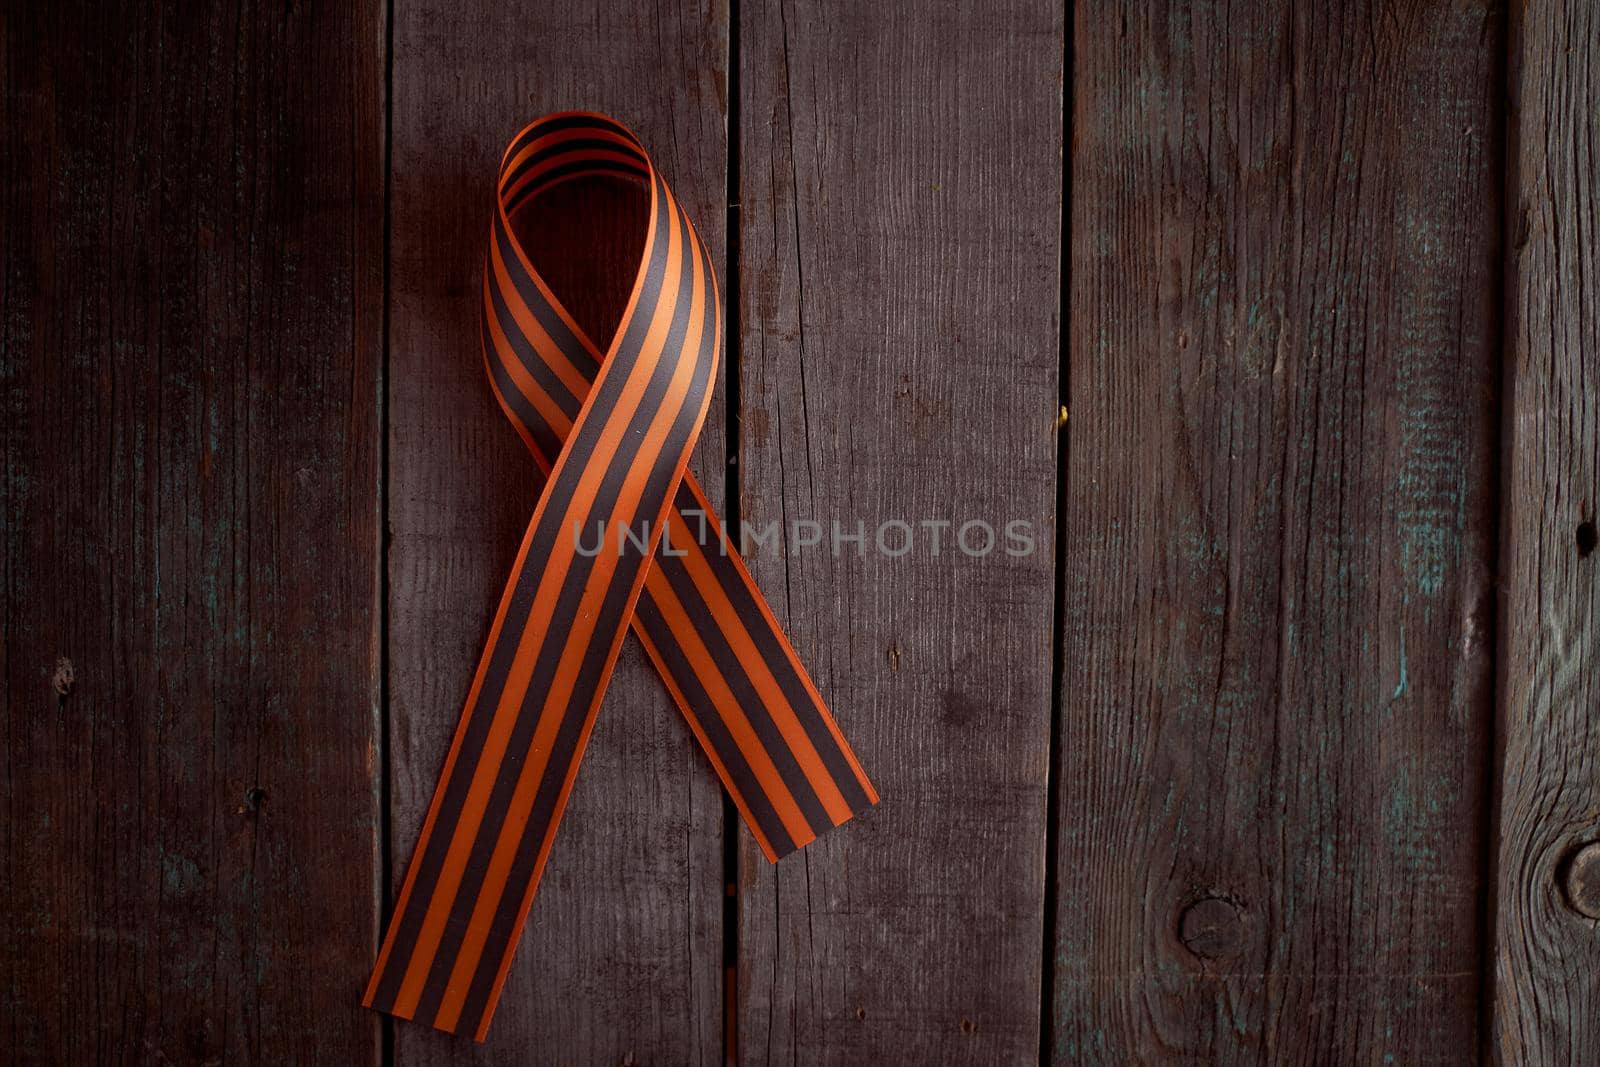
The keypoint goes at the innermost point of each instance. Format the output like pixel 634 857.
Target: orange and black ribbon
pixel 613 431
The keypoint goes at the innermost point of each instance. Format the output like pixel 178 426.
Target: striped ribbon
pixel 613 432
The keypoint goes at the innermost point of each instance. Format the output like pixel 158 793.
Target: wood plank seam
pixel 733 353
pixel 1053 814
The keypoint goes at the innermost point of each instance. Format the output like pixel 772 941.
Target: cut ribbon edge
pixel 613 433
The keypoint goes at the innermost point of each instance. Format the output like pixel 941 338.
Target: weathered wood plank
pixel 900 220
pixel 191 301
pixel 1547 939
pixel 622 955
pixel 1276 691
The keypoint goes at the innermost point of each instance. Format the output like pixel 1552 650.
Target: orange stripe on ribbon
pixel 614 432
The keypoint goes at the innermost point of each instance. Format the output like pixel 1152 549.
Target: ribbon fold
pixel 613 432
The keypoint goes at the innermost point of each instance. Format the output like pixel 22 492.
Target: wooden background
pixel 1278 321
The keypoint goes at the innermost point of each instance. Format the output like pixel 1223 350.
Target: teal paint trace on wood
pixel 1276 661
pixel 1546 954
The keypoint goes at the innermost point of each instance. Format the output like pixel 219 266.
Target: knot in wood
pixel 1583 880
pixel 1212 928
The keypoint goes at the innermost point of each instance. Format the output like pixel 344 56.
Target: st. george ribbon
pixel 613 430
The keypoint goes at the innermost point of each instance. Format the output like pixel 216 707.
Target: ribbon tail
pixel 737 680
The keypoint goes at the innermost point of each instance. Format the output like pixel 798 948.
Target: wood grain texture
pixel 1278 574
pixel 900 204
pixel 190 331
pixel 1546 956
pixel 621 960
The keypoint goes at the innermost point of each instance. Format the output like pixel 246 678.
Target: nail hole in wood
pixel 62 680
pixel 1586 539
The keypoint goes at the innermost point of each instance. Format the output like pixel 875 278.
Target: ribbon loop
pixel 614 432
